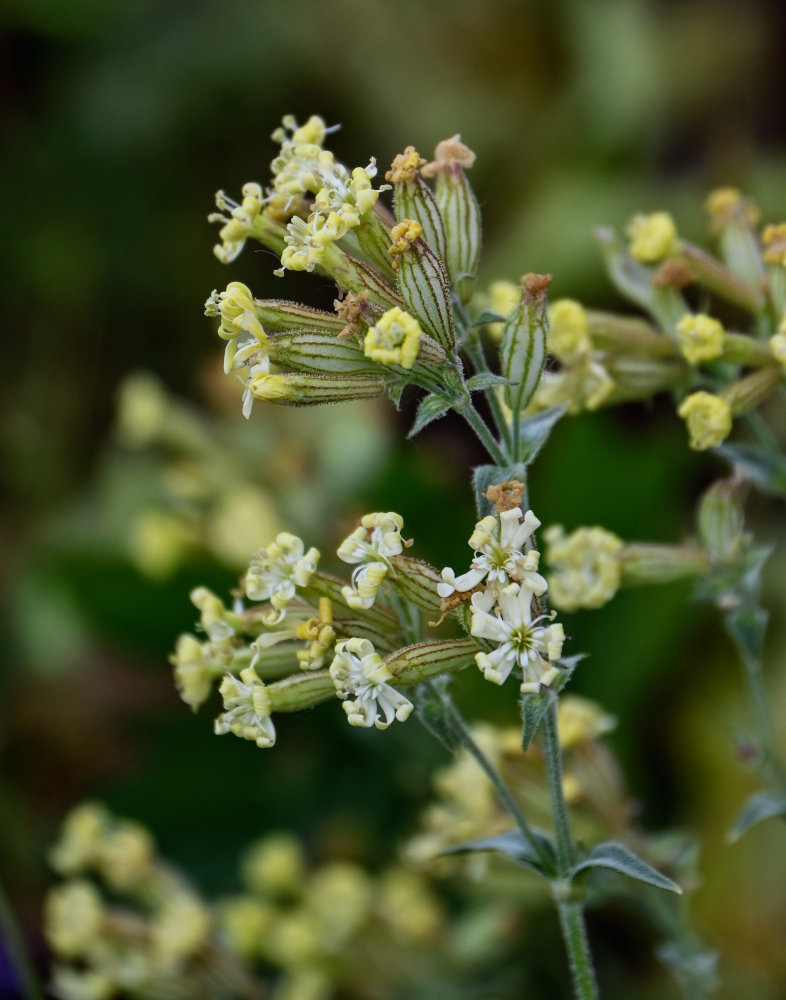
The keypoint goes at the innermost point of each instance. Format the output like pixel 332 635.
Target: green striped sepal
pixel 523 347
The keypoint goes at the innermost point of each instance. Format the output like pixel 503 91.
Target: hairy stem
pixel 571 915
pixel 574 934
pixel 487 439
pixel 464 737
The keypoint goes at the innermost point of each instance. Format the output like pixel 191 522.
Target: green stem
pixel 474 348
pixel 559 808
pixel 574 934
pixel 571 915
pixel 17 952
pixel 464 737
pixel 478 425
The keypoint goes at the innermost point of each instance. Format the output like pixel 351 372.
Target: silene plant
pixel 387 643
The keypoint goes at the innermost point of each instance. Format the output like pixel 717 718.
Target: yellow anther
pixel 403 236
pixel 404 166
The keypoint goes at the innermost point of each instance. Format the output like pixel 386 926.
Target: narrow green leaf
pixel 513 845
pixel 630 277
pixel 488 316
pixel 430 408
pixel 617 858
pixel 492 475
pixel 533 706
pixel 766 470
pixel 485 380
pixel 759 807
pixel 535 431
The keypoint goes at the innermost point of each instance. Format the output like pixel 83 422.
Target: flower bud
pixel 644 564
pixel 414 200
pixel 319 353
pixel 417 582
pixel 301 389
pixel 721 519
pixel 430 659
pixel 423 283
pixel 523 348
pixel 280 316
pixel 652 237
pixel 708 417
pixel 460 212
pixel 700 337
pixel 717 278
pixel 734 218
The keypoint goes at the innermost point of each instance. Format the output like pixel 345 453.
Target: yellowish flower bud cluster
pixel 700 337
pixel 568 330
pixel 466 808
pixel 584 567
pixel 708 417
pixel 311 923
pixel 402 236
pixel 652 237
pixel 394 339
pixel 120 950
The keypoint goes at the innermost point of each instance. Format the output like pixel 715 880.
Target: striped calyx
pixel 523 346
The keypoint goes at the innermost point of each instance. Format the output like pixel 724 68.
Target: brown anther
pixel 534 287
pixel 673 273
pixel 350 309
pixel 405 166
pixel 450 155
pixel 505 496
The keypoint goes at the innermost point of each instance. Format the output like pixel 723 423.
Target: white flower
pixel 358 670
pixel 247 709
pixel 499 544
pixel 522 642
pixel 276 570
pixel 373 545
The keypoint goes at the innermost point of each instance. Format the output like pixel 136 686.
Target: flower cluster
pixel 342 640
pixel 154 937
pixel 161 947
pixel 504 611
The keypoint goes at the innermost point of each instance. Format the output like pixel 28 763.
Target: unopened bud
pixel 721 519
pixel 460 213
pixel 423 285
pixel 430 659
pixel 645 564
pixel 524 338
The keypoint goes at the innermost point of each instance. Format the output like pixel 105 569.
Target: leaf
pixel 619 859
pixel 747 627
pixel 535 431
pixel 766 470
pixel 488 316
pixel 513 845
pixel 492 475
pixel 430 408
pixel 395 389
pixel 759 807
pixel 533 706
pixel 485 380
pixel 630 277
pixel 430 708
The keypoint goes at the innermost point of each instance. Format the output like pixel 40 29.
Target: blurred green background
pixel 120 120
